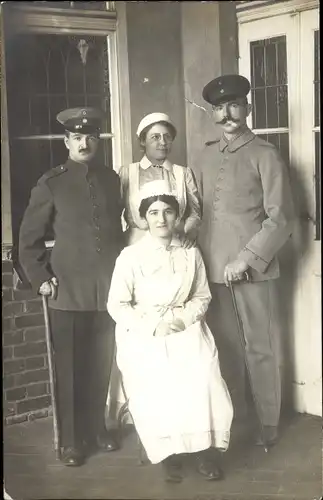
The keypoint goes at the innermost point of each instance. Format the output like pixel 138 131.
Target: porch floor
pixel 290 471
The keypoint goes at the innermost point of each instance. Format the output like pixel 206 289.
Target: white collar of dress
pixel 145 163
pixel 153 243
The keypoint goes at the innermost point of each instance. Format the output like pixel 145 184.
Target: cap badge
pixel 84 112
pixel 84 120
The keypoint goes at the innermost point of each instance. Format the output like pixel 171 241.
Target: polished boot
pixel 208 465
pixel 268 437
pixel 107 441
pixel 172 469
pixel 72 457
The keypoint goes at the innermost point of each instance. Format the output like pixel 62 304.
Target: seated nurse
pixel 165 351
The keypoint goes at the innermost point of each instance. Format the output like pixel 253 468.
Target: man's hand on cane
pixel 234 271
pixel 49 288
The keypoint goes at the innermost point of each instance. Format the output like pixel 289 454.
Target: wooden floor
pixel 290 471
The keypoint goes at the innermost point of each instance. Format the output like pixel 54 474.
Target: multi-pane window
pixel 317 134
pixel 56 72
pixel 269 91
pixel 46 74
pixel 70 5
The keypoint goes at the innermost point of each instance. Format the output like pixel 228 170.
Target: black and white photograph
pixel 161 250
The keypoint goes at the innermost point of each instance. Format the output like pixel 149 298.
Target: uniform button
pixel 98 249
pixel 93 196
pixel 221 169
pixel 97 238
pixel 220 178
pixel 216 198
pixel 218 189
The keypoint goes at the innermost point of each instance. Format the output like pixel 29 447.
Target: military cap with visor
pixel 81 120
pixel 225 88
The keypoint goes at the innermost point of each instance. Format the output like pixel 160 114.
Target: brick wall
pixel 26 394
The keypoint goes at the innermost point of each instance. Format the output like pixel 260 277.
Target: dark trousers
pixel 257 307
pixel 83 344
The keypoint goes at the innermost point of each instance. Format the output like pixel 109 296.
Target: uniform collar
pixel 237 142
pixel 145 163
pixel 154 244
pixel 71 164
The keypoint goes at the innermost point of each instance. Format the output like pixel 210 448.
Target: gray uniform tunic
pixel 247 213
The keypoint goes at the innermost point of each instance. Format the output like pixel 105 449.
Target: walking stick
pixel 243 345
pixel 52 378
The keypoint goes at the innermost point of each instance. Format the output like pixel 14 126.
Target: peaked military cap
pixel 226 87
pixel 82 120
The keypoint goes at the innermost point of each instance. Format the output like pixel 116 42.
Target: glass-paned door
pixel 281 55
pixel 46 74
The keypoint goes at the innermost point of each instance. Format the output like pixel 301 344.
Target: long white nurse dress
pixel 177 397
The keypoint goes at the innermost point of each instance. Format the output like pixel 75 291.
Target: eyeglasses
pixel 159 137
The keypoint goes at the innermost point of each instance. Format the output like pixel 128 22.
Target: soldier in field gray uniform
pixel 80 203
pixel 247 217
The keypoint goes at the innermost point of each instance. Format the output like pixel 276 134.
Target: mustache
pixel 227 119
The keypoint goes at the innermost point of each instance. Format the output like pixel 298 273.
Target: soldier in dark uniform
pixel 80 202
pixel 247 217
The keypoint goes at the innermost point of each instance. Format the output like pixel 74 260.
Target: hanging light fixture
pixel 83 44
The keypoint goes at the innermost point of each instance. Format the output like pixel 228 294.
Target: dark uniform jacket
pixel 247 206
pixel 81 205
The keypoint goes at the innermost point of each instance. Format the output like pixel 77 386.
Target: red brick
pixel 24 294
pixel 16 419
pixel 7 280
pixel 16 394
pixel 7 295
pixel 7 353
pixel 33 404
pixel 29 320
pixel 34 390
pixel 10 408
pixel 8 382
pixel 13 338
pixel 15 366
pixel 7 324
pixel 29 349
pixel 34 334
pixel 38 414
pixel 12 309
pixel 35 363
pixel 33 306
pixel 7 266
pixel 32 376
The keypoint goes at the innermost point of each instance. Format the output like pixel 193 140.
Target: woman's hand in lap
pixel 177 325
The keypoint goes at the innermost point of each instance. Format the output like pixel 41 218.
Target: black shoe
pixel 172 468
pixel 72 457
pixel 107 442
pixel 209 467
pixel 268 437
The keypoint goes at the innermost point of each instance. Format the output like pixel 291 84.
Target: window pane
pixel 48 74
pixel 317 185
pixel 70 5
pixel 281 141
pixel 317 94
pixel 269 82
